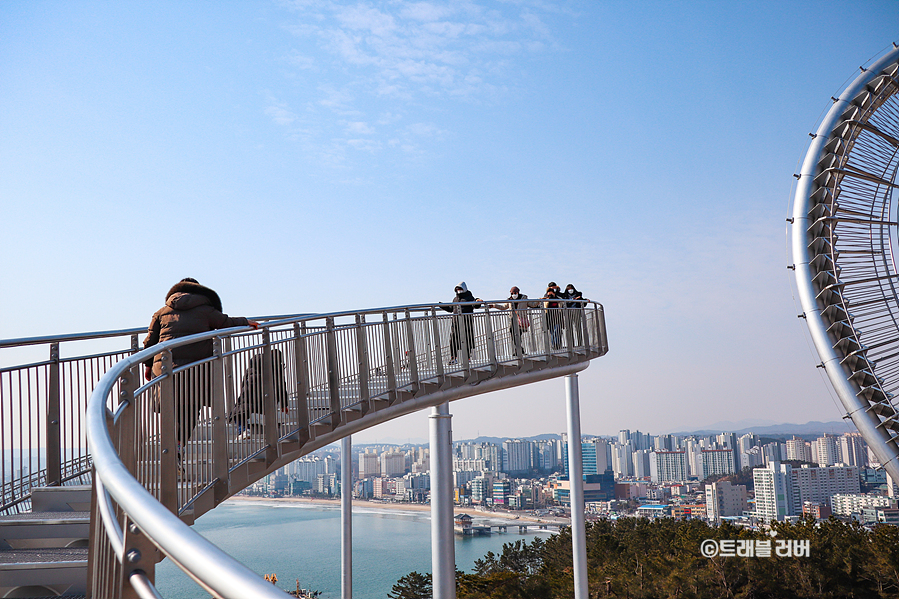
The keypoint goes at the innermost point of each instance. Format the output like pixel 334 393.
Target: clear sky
pixel 313 156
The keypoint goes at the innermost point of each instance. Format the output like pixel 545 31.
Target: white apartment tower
pixel 668 466
pixel 853 450
pixel 393 463
pixel 799 449
pixel 828 450
pixel 774 492
pixel 717 462
pixel 818 485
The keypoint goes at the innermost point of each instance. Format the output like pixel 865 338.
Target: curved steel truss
pixel 843 243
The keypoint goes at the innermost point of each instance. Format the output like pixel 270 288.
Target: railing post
pixel 302 370
pixel 362 361
pixel 269 405
pixel 585 334
pixel 228 365
pixel 438 353
pixel 491 341
pixel 462 331
pixel 168 476
pixel 53 430
pixel 220 460
pixel 411 359
pixel 545 320
pixel 139 554
pixel 429 351
pixel 569 331
pixel 388 358
pixel 126 427
pixel 333 374
pixel 603 339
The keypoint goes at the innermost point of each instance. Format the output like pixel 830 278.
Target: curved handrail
pixel 840 209
pixel 342 374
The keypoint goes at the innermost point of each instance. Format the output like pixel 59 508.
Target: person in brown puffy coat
pixel 190 308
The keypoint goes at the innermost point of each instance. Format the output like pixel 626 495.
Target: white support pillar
pixel 443 550
pixel 576 480
pixel 346 517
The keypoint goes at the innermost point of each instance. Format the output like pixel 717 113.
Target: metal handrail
pixel 377 369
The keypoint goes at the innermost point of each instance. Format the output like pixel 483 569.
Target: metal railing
pixel 169 449
pixel 42 406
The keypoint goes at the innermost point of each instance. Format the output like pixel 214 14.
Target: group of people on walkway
pixel 191 308
pixel 554 301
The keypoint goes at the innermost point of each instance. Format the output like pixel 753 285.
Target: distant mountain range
pixel 773 430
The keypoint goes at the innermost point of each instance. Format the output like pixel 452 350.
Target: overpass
pixel 318 379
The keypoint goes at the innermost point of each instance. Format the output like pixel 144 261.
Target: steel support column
pixel 346 518
pixel 576 480
pixel 443 551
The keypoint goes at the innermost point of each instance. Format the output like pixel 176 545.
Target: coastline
pixel 402 507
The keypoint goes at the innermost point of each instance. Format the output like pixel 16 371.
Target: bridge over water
pixel 323 378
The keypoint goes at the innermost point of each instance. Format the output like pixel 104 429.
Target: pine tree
pixel 412 586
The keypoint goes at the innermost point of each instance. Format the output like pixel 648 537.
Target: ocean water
pixel 302 541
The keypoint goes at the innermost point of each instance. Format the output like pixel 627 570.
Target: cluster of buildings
pixel 650 475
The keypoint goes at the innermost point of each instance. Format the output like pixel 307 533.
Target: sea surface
pixel 302 541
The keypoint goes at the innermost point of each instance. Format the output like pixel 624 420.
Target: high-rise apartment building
pixel 393 463
pixel 369 464
pixel 828 449
pixel 668 466
pixel 641 463
pixel 723 499
pixel 729 441
pixel 774 492
pixel 547 455
pixel 623 460
pixel 596 455
pixel 774 452
pixel 517 456
pixel 717 462
pixel 799 449
pixel 818 485
pixel 308 468
pixel 780 490
pixel 853 450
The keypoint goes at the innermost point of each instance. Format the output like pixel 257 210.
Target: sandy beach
pixel 405 507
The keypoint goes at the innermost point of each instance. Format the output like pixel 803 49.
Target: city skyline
pixel 318 156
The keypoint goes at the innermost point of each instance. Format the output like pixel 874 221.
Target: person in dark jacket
pixel 463 322
pixel 574 312
pixel 190 308
pixel 553 305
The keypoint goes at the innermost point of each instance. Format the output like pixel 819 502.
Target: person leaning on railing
pixel 574 312
pixel 518 311
pixel 190 308
pixel 462 320
pixel 554 307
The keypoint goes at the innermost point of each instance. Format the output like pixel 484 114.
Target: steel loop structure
pixel 168 450
pixel 843 239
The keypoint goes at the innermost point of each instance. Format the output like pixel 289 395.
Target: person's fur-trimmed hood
pixel 197 289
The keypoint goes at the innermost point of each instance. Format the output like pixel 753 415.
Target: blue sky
pixel 315 156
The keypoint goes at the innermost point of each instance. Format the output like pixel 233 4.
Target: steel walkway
pixel 295 385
